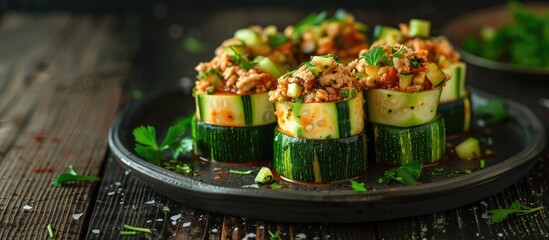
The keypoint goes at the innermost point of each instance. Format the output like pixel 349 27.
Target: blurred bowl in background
pixel 524 84
pixel 470 24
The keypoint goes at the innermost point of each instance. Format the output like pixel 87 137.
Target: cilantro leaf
pixel 72 175
pixel 375 55
pixel 498 215
pixel 406 174
pixel 358 187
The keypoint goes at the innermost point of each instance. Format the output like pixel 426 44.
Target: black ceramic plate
pixel 515 144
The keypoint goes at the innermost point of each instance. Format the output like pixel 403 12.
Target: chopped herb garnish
pixel 72 175
pixel 165 209
pixel 232 171
pixel 298 100
pixel 311 20
pixel 217 169
pixel 50 231
pixel 398 54
pixel 498 215
pixel 406 174
pixel 137 229
pixel 276 185
pixel 184 168
pixel 147 147
pixel 482 164
pixel 437 171
pixel 128 233
pixel 357 186
pixel 134 207
pixel 415 63
pixel 244 63
pixel 376 55
pixel 274 235
pixel 276 40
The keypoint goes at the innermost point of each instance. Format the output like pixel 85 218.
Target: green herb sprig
pixel 147 147
pixel 406 174
pixel 498 215
pixel 357 186
pixel 376 55
pixel 51 233
pixel 242 60
pixel 274 235
pixel 72 175
pixel 312 19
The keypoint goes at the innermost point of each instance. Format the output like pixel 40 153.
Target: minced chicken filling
pixel 384 66
pixel 322 79
pixel 223 74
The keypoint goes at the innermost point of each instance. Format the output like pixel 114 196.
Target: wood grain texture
pixel 60 90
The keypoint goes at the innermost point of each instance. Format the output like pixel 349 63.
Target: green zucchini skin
pixel 319 161
pixel 233 144
pixel 457 115
pixel 424 143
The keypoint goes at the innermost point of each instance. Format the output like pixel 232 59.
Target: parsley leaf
pixel 358 187
pixel 406 174
pixel 498 215
pixel 274 235
pixel 376 55
pixel 276 40
pixel 72 175
pixel 147 147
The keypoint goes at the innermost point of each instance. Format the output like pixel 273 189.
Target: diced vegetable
pixel 388 34
pixel 468 149
pixel 267 65
pixel 264 175
pixel 434 74
pixel 419 28
pixel 294 90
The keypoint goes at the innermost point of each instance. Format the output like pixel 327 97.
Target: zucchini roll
pixel 320 135
pixel 233 113
pixel 402 89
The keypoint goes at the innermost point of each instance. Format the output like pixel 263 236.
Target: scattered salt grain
pixel 110 193
pixel 150 202
pixel 96 231
pixel 301 236
pixel 251 186
pixel 483 203
pixel 176 217
pixel 76 216
pixel 500 234
pixel 424 229
pixel 159 220
pixel 149 221
pixel 188 224
pixel 214 230
pixel 485 216
pixel 27 207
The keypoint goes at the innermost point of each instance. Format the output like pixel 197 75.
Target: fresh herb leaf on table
pixel 72 175
pixel 498 215
pixel 358 187
pixel 406 174
pixel 146 145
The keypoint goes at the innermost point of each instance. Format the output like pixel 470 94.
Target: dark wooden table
pixel 63 79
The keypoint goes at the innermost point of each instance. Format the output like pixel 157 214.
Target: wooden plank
pixel 59 114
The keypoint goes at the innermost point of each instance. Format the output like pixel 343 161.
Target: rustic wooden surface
pixel 63 77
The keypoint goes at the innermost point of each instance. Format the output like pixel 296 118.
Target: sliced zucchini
pixel 319 161
pixel 457 115
pixel 321 120
pixel 468 149
pixel 405 80
pixel 233 144
pixel 294 90
pixel 402 109
pixel 435 74
pixel 235 110
pixel 455 87
pixel 264 175
pixel 267 66
pixel 425 143
pixel 419 28
pixel 388 34
pixel 249 37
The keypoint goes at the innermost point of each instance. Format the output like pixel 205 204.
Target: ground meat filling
pixel 343 37
pixel 223 74
pixel 322 79
pixel 388 66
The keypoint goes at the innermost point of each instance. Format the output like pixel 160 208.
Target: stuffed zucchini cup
pixel 340 35
pixel 402 92
pixel 320 134
pixel 234 119
pixel 455 103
